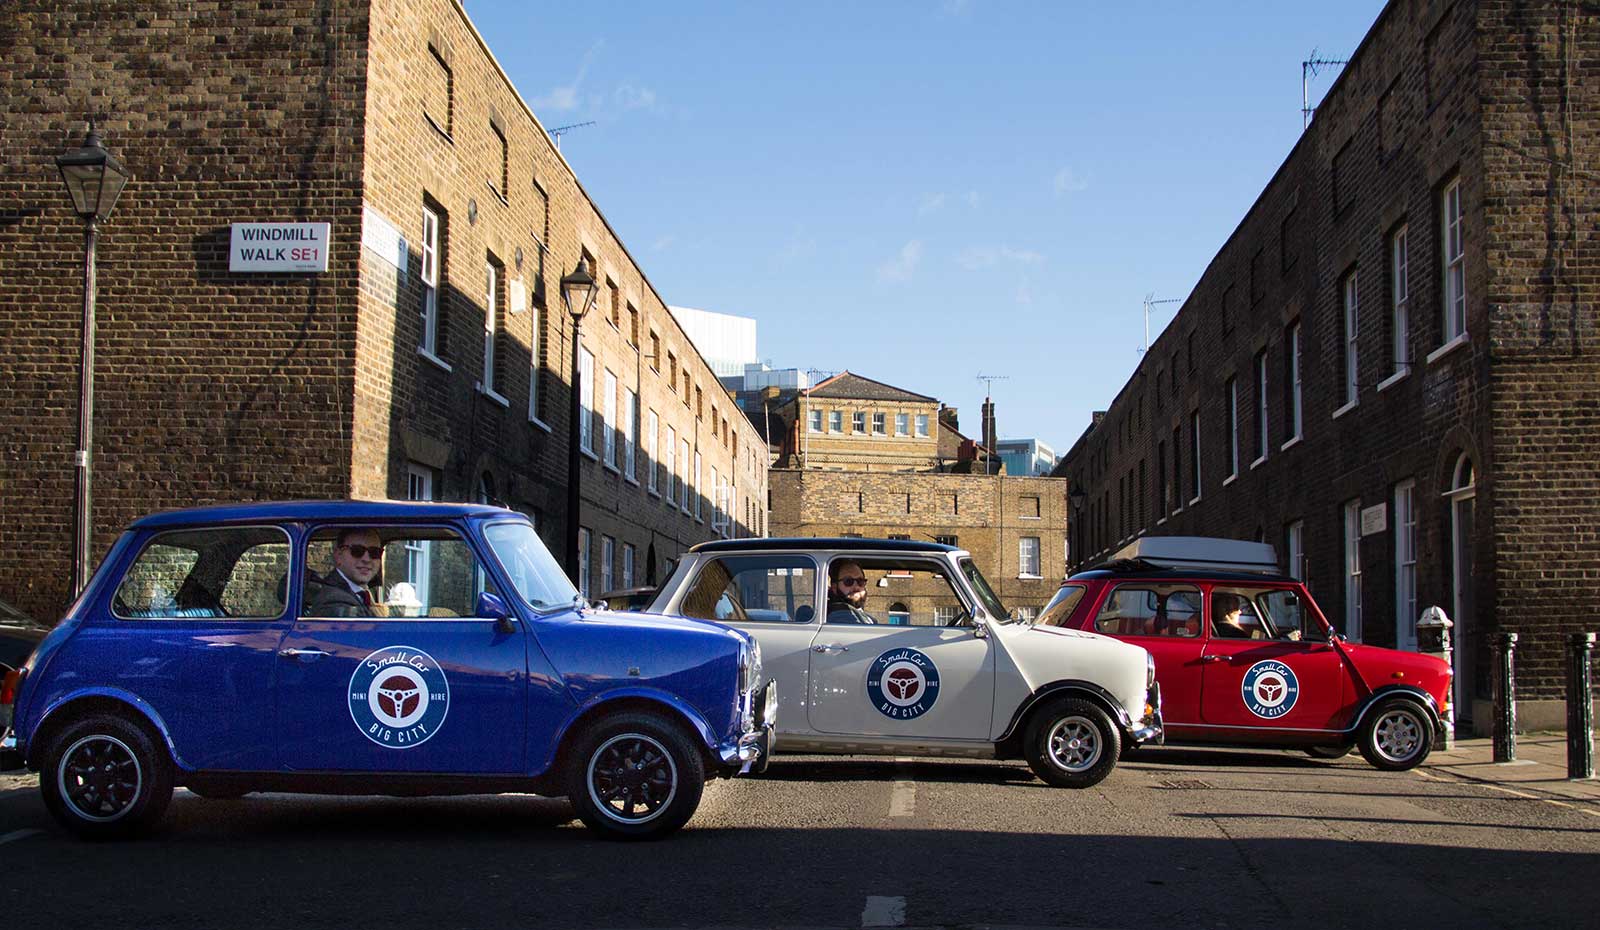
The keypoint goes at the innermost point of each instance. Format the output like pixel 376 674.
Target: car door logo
pixel 399 697
pixel 1270 689
pixel 903 684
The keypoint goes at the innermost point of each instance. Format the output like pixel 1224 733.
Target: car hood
pixel 643 621
pixel 1379 666
pixel 1042 655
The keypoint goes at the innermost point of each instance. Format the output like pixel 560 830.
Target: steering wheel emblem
pixel 399 697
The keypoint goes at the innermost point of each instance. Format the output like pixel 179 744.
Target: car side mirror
pixel 491 607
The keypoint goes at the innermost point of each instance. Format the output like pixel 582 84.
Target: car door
pixel 418 686
pixel 1270 682
pixel 773 597
pixel 913 679
pixel 1164 618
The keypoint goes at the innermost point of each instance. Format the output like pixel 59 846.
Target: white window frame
pixel 583 561
pixel 608 552
pixel 814 420
pixel 1405 564
pixel 430 283
pixel 1296 546
pixel 683 483
pixel 650 437
pixel 1028 557
pixel 858 422
pixel 491 323
pixel 1400 301
pixel 922 424
pixel 835 421
pixel 880 424
pixel 1263 432
pixel 586 402
pixel 419 487
pixel 627 565
pixel 695 490
pixel 672 465
pixel 630 438
pixel 534 338
pixel 902 424
pixel 1194 455
pixel 1352 570
pixel 1455 263
pixel 608 420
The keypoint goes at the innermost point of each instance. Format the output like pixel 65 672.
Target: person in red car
pixel 1225 609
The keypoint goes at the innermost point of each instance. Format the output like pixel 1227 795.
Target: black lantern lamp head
pixel 1077 496
pixel 577 290
pixel 93 176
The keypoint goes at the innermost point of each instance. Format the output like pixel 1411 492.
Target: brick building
pixel 864 458
pixel 1389 369
pixel 430 359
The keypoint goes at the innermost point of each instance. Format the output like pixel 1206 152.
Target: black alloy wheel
pixel 635 776
pixel 105 777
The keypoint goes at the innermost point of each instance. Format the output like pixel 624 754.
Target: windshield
pixel 1061 607
pixel 980 585
pixel 531 567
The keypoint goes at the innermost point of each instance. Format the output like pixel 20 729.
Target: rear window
pixel 237 572
pixel 1151 609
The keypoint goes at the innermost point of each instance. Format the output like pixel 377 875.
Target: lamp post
pixel 94 178
pixel 1077 496
pixel 577 292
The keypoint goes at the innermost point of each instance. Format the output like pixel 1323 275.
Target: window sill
pixel 1030 518
pixel 1289 443
pixel 1161 522
pixel 613 469
pixel 1027 577
pixel 504 202
pixel 443 365
pixel 541 424
pixel 1193 501
pixel 1345 409
pixel 631 480
pixel 654 492
pixel 439 129
pixel 588 453
pixel 1394 379
pixel 493 395
pixel 1258 463
pixel 1447 348
pixel 1230 479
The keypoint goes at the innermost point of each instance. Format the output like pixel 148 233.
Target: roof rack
pixel 1200 553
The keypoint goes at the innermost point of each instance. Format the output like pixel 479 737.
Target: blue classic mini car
pixel 373 648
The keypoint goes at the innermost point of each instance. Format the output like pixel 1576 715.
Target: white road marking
pixel 17 835
pixel 1515 793
pixel 903 799
pixel 883 912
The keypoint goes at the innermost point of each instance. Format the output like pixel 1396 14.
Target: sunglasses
pixel 851 582
pixel 362 552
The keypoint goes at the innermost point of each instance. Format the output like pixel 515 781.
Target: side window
pixel 391 572
pixel 1256 613
pixel 1062 606
pixel 1149 609
pixel 764 589
pixel 236 572
pixel 898 592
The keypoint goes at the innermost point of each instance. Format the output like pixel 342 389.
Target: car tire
pixel 106 777
pixel 1071 743
pixel 635 776
pixel 1397 735
pixel 1330 752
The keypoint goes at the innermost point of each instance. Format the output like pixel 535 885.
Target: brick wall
pixel 209 386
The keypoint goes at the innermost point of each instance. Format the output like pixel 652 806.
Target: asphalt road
pixel 1174 838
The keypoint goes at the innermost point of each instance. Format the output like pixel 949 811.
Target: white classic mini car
pixel 895 647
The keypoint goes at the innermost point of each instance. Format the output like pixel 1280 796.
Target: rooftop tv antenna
pixel 1309 69
pixel 1150 301
pixel 988 383
pixel 560 131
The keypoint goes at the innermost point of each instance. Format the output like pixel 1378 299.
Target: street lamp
pixel 577 292
pixel 94 178
pixel 1076 496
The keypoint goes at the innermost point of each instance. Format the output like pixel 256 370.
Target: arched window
pixel 486 489
pixel 899 614
pixel 1462 497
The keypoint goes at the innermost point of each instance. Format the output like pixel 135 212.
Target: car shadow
pixel 880 769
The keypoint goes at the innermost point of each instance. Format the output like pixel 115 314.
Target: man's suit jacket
pixel 330 596
pixel 840 611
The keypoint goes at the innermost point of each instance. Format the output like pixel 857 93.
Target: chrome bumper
pixel 1151 730
pixel 755 744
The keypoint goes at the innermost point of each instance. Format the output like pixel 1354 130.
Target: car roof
pixel 852 543
pixel 278 511
pixel 1144 571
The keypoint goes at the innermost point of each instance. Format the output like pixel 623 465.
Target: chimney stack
pixel 947 416
pixel 988 425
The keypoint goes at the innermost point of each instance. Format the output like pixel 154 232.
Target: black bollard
pixel 1505 698
pixel 1580 707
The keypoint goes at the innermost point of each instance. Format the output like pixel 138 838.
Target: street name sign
pixel 256 247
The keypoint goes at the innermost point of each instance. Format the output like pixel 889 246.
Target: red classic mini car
pixel 1244 657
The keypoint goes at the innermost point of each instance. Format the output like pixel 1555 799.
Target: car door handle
pixel 831 647
pixel 302 653
pixel 1212 658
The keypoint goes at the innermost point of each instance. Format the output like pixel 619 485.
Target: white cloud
pixel 565 97
pixel 977 258
pixel 931 203
pixel 631 97
pixel 900 268
pixel 1068 181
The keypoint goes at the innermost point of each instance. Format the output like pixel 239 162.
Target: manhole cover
pixel 1183 784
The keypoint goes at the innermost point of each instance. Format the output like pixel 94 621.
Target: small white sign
pixel 383 238
pixel 278 247
pixel 1374 519
pixel 519 296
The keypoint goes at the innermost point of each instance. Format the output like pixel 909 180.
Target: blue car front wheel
pixel 636 775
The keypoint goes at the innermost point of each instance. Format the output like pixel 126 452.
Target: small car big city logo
pixel 399 697
pixel 903 684
pixel 1270 689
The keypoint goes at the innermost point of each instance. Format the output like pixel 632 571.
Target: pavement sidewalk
pixel 1540 770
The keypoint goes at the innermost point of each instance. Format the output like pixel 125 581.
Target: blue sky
pixel 923 192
